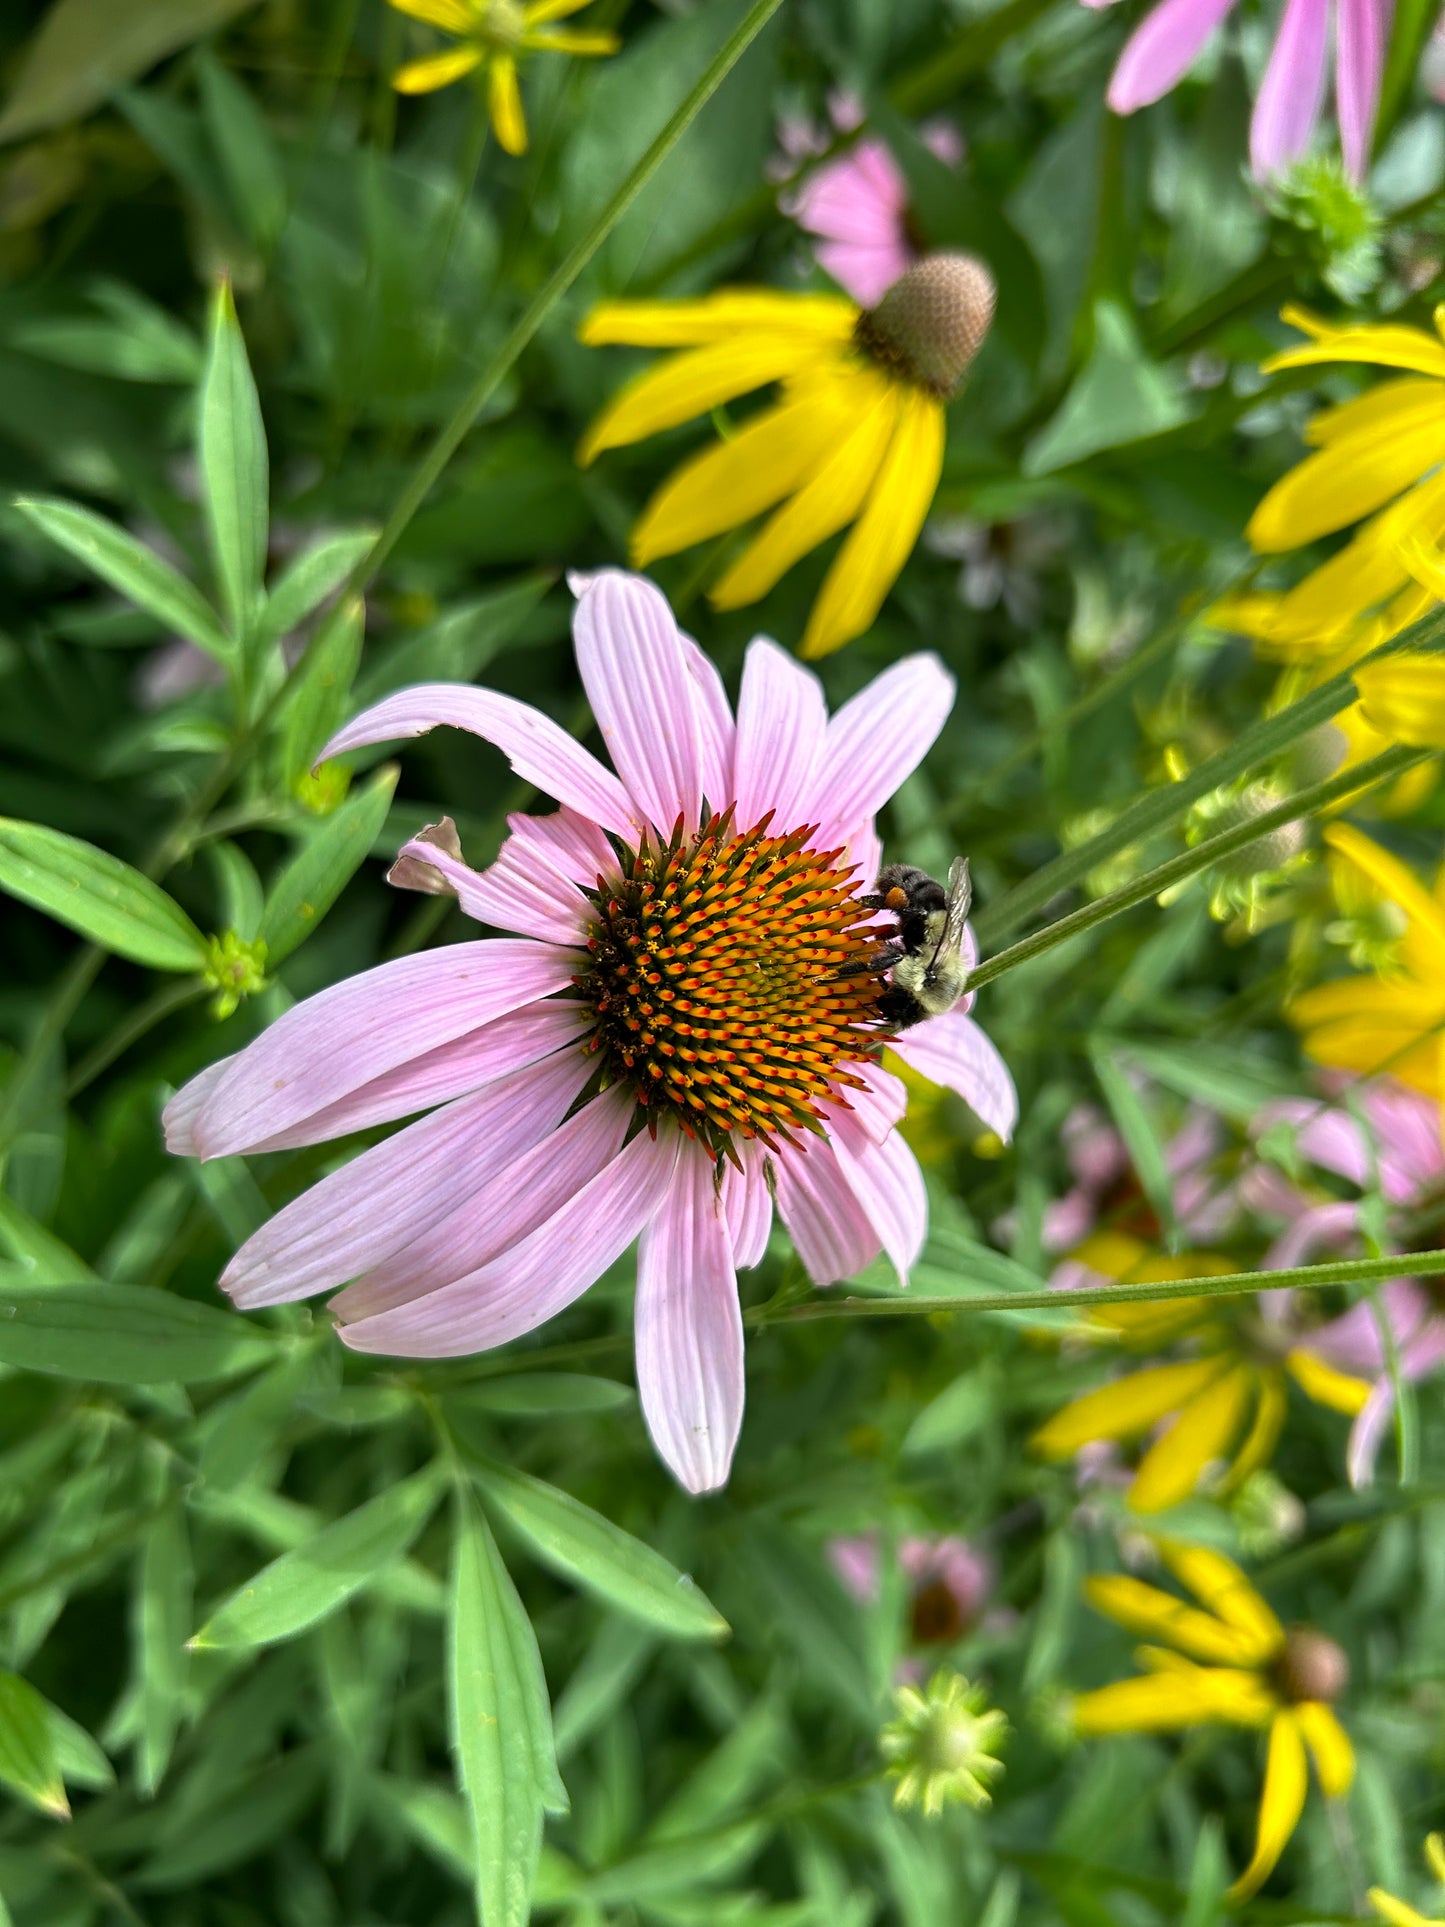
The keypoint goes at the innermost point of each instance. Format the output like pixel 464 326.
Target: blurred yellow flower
pixel 492 35
pixel 1391 1018
pixel 1232 1663
pixel 1226 1402
pixel 1397 1912
pixel 856 436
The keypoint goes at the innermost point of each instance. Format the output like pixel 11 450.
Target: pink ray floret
pixel 530 1168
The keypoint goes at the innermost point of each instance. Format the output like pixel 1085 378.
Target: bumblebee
pixel 926 957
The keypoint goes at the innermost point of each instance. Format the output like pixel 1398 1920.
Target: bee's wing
pixel 958 903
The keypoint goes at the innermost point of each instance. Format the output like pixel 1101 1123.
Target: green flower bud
pixel 943 1744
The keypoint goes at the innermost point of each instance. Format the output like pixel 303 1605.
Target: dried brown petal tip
pixel 930 324
pixel 415 873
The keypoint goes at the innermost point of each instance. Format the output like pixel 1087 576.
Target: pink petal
pixel 516 1194
pixel 1407 1131
pixel 537 1278
pixel 690 1330
pixel 878 739
pixel 1161 50
pixel 716 731
pixel 833 1234
pixel 1068 1220
pixel 390 1196
pixel 509 1043
pixel 1093 1149
pixel 748 1205
pixel 522 890
pixel 1324 1227
pixel 888 1184
pixel 1367 1434
pixel 1287 107
pixel 1328 1137
pixel 782 724
pixel 536 747
pixel 854 1557
pixel 953 1051
pixel 643 694
pixel 865 269
pixel 573 845
pixel 329 1046
pixel 179 1116
pixel 1360 28
pixel 877 1109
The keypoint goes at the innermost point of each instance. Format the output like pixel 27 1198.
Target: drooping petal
pixel 632 665
pixel 1286 1782
pixel 883 537
pixel 568 842
pixel 716 730
pixel 1161 50
pixel 1329 1745
pixel 1326 1386
pixel 953 1051
pixel 1153 1614
pixel 1350 478
pixel 436 70
pixel 1220 1585
pixel 517 892
pixel 748 1204
pixel 1323 1227
pixel 1359 68
pixel 1202 1432
pixel 1166 1701
pixel 356 1031
pixel 536 747
pixel 718 317
pixel 179 1117
pixel 1404 698
pixel 1423 946
pixel 1367 1434
pixel 1381 344
pixel 876 1109
pixel 689 1330
pixel 453 16
pixel 877 739
pixel 1270 1411
pixel 513 1196
pixel 504 103
pixel 1287 106
pixel 1126 1406
pixel 887 1182
pixel 782 724
pixel 394 1193
pixel 834 1237
pixel 537 1278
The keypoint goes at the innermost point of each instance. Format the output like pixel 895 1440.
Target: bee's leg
pixel 875 965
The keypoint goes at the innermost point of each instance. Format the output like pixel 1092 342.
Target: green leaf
pixel 129 567
pixel 163 1618
pixel 234 468
pixel 98 895
pixel 1410 29
pixel 1227 1079
pixel 501 1724
pixel 300 1588
pixel 960 1410
pixel 1137 1128
pixel 324 865
pixel 306 581
pixel 81 1760
pixel 582 1545
pixel 84 50
pixel 316 699
pixel 458 645
pixel 122 1334
pixel 247 153
pixel 544 1394
pixel 138 342
pixel 1118 396
pixel 38 1253
pixel 28 1763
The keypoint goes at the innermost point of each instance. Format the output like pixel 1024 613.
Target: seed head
pixel 1312 1667
pixel 930 324
pixel 943 1744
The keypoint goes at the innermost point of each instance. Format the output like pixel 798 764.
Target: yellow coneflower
pixel 493 35
pixel 1224 1403
pixel 856 436
pixel 1392 1016
pixel 1399 1913
pixel 1231 1663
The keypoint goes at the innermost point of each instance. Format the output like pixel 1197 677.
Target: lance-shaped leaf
pixel 234 468
pixel 317 696
pixel 135 571
pixel 122 1334
pixel 306 582
pixel 28 1762
pixel 501 1724
pixel 302 1587
pixel 324 865
pixel 98 895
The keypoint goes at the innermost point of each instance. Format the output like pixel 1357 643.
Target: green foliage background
pixel 281 1625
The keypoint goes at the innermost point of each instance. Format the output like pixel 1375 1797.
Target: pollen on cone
pixel 932 322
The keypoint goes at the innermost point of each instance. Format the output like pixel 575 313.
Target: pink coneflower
pixel 1390 1138
pixel 1287 110
pixel 949 1584
pixel 668 1046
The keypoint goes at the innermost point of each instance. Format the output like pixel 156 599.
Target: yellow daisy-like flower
pixel 1226 1402
pixel 1398 1912
pixel 1227 1661
pixel 1391 1018
pixel 856 436
pixel 493 34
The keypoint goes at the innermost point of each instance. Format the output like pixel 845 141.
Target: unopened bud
pixel 1312 1666
pixel 1267 1515
pixel 931 323
pixel 943 1744
pixel 235 969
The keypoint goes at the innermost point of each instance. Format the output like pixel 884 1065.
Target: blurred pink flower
pixel 857 204
pixel 1395 1141
pixel 658 1056
pixel 950 1581
pixel 1291 96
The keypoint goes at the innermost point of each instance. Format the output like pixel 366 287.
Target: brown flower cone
pixel 932 322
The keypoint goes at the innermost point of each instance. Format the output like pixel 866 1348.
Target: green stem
pixel 171 996
pixel 451 437
pixel 1178 869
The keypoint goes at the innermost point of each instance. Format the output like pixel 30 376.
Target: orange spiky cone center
pixel 714 981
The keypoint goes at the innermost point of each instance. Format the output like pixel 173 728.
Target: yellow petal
pixel 1424 945
pixel 1220 1585
pixel 1151 1613
pixel 1396 1912
pixel 1126 1406
pixel 1435 1855
pixel 1387 405
pixel 504 102
pixel 1263 1435
pixel 1404 698
pixel 538 12
pixel 438 70
pixel 1424 561
pixel 1352 477
pixel 454 16
pixel 825 504
pixel 868 564
pixel 1325 1385
pixel 690 384
pixel 1286 1781
pixel 725 486
pixel 566 40
pixel 1383 344
pixel 1163 1702
pixel 1203 1432
pixel 718 317
pixel 1329 1746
